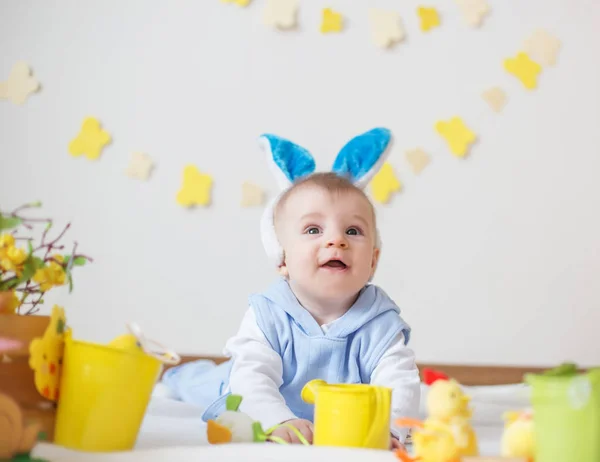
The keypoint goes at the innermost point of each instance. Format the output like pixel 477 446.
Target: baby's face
pixel 329 242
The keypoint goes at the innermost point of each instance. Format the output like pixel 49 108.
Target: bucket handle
pixel 152 347
pixel 380 420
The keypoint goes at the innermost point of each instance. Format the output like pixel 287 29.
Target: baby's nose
pixel 337 241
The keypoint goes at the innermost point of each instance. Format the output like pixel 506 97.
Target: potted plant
pixel 30 267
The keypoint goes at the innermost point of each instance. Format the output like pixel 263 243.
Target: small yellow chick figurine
pixel 46 354
pixel 518 438
pixel 447 434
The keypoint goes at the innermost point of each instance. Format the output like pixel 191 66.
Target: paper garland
pixel 281 14
pixel 90 141
pixel 332 21
pixel 540 49
pixel 140 166
pixel 384 184
pixel 252 195
pixel 457 135
pixel 429 18
pixel 19 85
pixel 195 188
pixel 386 27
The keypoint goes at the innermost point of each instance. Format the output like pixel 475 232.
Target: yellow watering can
pixel 350 415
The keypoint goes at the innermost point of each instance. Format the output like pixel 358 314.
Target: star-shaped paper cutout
pixel 140 166
pixel 386 27
pixel 281 13
pixel 252 195
pixel 458 136
pixel 417 159
pixel 474 11
pixel 495 97
pixel 195 189
pixel 332 21
pixel 90 141
pixel 543 47
pixel 384 184
pixel 241 3
pixel 524 69
pixel 20 84
pixel 429 18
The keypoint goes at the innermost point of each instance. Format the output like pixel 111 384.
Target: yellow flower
pixel 51 275
pixel 9 302
pixel 6 240
pixel 12 259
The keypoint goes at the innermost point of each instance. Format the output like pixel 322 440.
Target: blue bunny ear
pixel 287 160
pixel 361 158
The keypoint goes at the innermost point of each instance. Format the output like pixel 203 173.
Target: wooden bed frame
pixel 465 374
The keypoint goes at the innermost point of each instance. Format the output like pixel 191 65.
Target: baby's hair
pixel 328 181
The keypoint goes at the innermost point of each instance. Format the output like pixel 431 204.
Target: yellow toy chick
pixel 46 354
pixel 518 438
pixel 446 435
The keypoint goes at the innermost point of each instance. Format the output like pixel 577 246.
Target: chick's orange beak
pixel 217 434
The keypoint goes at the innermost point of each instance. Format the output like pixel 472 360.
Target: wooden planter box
pixel 16 377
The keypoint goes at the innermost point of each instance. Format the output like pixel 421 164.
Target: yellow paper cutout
pixel 417 159
pixel 90 140
pixel 524 69
pixel 386 27
pixel 429 18
pixel 242 3
pixel 495 97
pixel 252 195
pixel 458 136
pixel 474 11
pixel 281 13
pixel 543 47
pixel 195 189
pixel 384 184
pixel 46 353
pixel 20 84
pixel 140 166
pixel 332 21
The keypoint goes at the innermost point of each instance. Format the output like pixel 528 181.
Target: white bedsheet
pixel 173 430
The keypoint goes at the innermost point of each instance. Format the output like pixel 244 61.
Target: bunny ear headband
pixel 359 160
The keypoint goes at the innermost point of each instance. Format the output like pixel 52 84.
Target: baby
pixel 322 319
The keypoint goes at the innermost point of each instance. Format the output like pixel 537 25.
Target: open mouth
pixel 335 264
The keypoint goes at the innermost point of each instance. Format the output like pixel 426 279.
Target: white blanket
pixel 172 430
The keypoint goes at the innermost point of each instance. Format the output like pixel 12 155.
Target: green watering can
pixel 566 414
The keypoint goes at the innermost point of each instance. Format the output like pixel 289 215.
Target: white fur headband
pixel 359 160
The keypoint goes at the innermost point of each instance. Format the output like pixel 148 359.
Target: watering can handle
pixel 153 348
pixel 309 392
pixel 380 422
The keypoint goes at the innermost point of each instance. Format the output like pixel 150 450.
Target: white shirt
pixel 257 375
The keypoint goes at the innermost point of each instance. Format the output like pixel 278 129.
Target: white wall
pixel 493 259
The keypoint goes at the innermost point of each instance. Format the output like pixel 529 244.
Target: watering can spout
pixel 310 390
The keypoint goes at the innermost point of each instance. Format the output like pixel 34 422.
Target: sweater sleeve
pixel 257 374
pixel 397 370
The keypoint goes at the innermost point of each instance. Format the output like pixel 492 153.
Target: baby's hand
pixel 395 445
pixel 304 426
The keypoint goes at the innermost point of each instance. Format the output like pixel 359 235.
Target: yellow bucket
pixel 350 415
pixel 104 392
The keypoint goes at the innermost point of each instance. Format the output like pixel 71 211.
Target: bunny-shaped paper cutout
pixel 358 161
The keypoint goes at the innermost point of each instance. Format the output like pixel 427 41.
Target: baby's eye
pixel 353 232
pixel 312 230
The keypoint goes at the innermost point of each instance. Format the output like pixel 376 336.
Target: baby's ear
pixel 362 157
pixel 283 271
pixel 375 260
